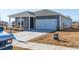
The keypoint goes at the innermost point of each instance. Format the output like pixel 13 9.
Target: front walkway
pixel 38 46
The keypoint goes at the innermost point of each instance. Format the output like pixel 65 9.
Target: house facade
pixel 41 20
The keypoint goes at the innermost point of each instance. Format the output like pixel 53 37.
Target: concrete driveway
pixel 28 35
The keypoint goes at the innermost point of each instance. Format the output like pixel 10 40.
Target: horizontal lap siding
pixel 65 23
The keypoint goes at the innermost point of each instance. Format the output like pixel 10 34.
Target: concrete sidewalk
pixel 38 46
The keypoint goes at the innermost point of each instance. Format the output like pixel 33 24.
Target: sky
pixel 73 13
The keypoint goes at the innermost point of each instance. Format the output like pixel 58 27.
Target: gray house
pixel 42 19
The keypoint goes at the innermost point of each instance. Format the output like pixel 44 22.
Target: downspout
pixel 58 23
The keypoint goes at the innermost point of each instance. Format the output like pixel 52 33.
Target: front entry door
pixel 31 22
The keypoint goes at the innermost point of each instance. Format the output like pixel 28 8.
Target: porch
pixel 23 21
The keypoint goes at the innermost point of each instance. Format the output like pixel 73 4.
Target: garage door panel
pixel 46 24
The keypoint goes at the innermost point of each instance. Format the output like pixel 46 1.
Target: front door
pixel 31 22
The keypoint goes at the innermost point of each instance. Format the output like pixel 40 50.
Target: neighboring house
pixel 43 19
pixel 3 23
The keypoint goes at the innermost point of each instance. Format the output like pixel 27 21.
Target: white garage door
pixel 50 24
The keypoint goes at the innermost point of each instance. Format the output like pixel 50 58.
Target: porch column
pixel 29 23
pixel 20 24
pixel 16 23
pixel 10 25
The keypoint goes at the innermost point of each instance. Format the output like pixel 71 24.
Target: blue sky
pixel 73 13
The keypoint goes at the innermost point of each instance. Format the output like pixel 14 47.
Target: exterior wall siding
pixel 16 19
pixel 65 23
pixel 25 24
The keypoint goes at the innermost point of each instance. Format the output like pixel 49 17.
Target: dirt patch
pixel 68 38
pixel 13 31
pixel 19 48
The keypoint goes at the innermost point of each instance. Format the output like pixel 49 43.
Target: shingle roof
pixel 23 14
pixel 46 12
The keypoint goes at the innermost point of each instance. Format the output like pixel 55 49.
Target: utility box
pixel 56 36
